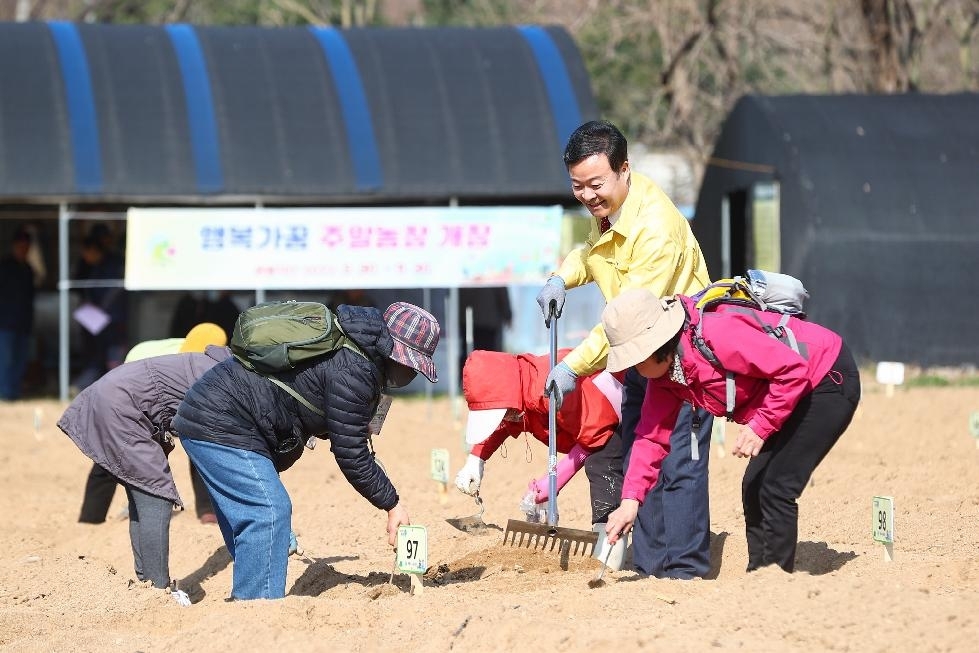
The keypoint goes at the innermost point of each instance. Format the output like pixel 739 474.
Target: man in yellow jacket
pixel 638 240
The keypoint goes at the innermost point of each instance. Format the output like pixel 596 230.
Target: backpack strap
pixel 708 353
pixel 298 397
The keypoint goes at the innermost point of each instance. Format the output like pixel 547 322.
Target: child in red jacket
pixel 503 393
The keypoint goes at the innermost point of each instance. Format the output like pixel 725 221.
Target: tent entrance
pixel 751 229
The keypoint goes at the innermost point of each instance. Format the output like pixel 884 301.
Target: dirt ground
pixel 68 586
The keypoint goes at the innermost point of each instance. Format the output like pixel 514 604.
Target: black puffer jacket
pixel 235 407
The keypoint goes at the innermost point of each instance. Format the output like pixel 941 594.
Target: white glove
pixel 180 597
pixel 470 476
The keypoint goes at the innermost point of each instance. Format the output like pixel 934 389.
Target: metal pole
pixel 429 388
pixel 63 307
pixel 452 331
pixel 259 292
pixel 726 237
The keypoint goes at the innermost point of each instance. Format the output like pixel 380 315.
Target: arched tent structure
pixel 870 200
pixel 106 117
pixel 184 114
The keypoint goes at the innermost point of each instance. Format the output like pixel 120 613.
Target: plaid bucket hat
pixel 416 334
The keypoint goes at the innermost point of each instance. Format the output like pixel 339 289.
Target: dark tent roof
pixel 100 113
pixel 879 218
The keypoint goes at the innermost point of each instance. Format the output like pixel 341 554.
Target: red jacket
pixel 499 380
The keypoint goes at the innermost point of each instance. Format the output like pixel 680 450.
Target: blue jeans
pixel 254 514
pixel 671 535
pixel 13 362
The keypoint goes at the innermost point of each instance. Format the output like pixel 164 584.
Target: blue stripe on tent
pixel 353 104
pixel 200 108
pixel 86 153
pixel 560 93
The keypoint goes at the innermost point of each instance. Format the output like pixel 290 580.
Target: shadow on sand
pixel 214 564
pixel 817 558
pixel 320 577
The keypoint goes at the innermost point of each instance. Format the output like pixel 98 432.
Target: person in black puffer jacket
pixel 240 430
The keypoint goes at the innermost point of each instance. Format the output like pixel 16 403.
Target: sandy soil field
pixel 66 586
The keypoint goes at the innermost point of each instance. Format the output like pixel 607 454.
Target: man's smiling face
pixel 599 188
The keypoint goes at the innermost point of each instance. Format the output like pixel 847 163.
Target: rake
pixel 549 536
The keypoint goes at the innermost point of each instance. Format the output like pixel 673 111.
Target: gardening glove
pixel 553 291
pixel 180 596
pixel 560 381
pixel 470 476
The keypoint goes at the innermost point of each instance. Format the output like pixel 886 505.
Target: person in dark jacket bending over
pixel 240 430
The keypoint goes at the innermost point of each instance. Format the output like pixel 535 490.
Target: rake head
pixel 541 537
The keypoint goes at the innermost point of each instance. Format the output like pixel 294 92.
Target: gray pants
pixel 149 532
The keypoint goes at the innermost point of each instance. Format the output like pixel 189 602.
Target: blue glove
pixel 560 381
pixel 293 543
pixel 553 291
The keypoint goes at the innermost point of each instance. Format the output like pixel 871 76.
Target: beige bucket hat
pixel 637 323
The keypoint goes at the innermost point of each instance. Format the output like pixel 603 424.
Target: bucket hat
pixel 416 334
pixel 637 323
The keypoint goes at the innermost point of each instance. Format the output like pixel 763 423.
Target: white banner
pixel 314 248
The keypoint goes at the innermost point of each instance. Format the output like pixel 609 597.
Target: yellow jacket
pixel 650 246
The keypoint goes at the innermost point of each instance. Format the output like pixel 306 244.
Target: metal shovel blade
pixel 597 581
pixel 472 523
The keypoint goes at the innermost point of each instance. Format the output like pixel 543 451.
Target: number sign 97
pixel 412 549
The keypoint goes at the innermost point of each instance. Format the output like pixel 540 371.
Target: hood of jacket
pixel 217 352
pixel 492 379
pixel 365 326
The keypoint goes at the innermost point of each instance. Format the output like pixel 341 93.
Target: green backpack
pixel 279 336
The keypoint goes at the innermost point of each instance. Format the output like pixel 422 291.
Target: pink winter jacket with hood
pixel 769 377
pixel 499 380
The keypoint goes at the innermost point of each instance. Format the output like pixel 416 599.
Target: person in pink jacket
pixel 791 407
pixel 503 394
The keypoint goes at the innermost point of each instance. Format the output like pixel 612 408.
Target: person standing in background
pixel 17 318
pixel 193 308
pixel 106 348
pixel 491 314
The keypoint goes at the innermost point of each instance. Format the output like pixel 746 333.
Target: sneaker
pixel 209 518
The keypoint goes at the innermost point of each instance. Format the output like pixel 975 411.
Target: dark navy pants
pixel 671 535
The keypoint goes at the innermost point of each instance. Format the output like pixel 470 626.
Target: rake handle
pixel 552 516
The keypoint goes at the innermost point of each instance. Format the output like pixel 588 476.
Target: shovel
pixel 473 522
pixel 597 581
pixel 567 541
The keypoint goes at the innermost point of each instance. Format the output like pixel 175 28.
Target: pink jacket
pixel 769 378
